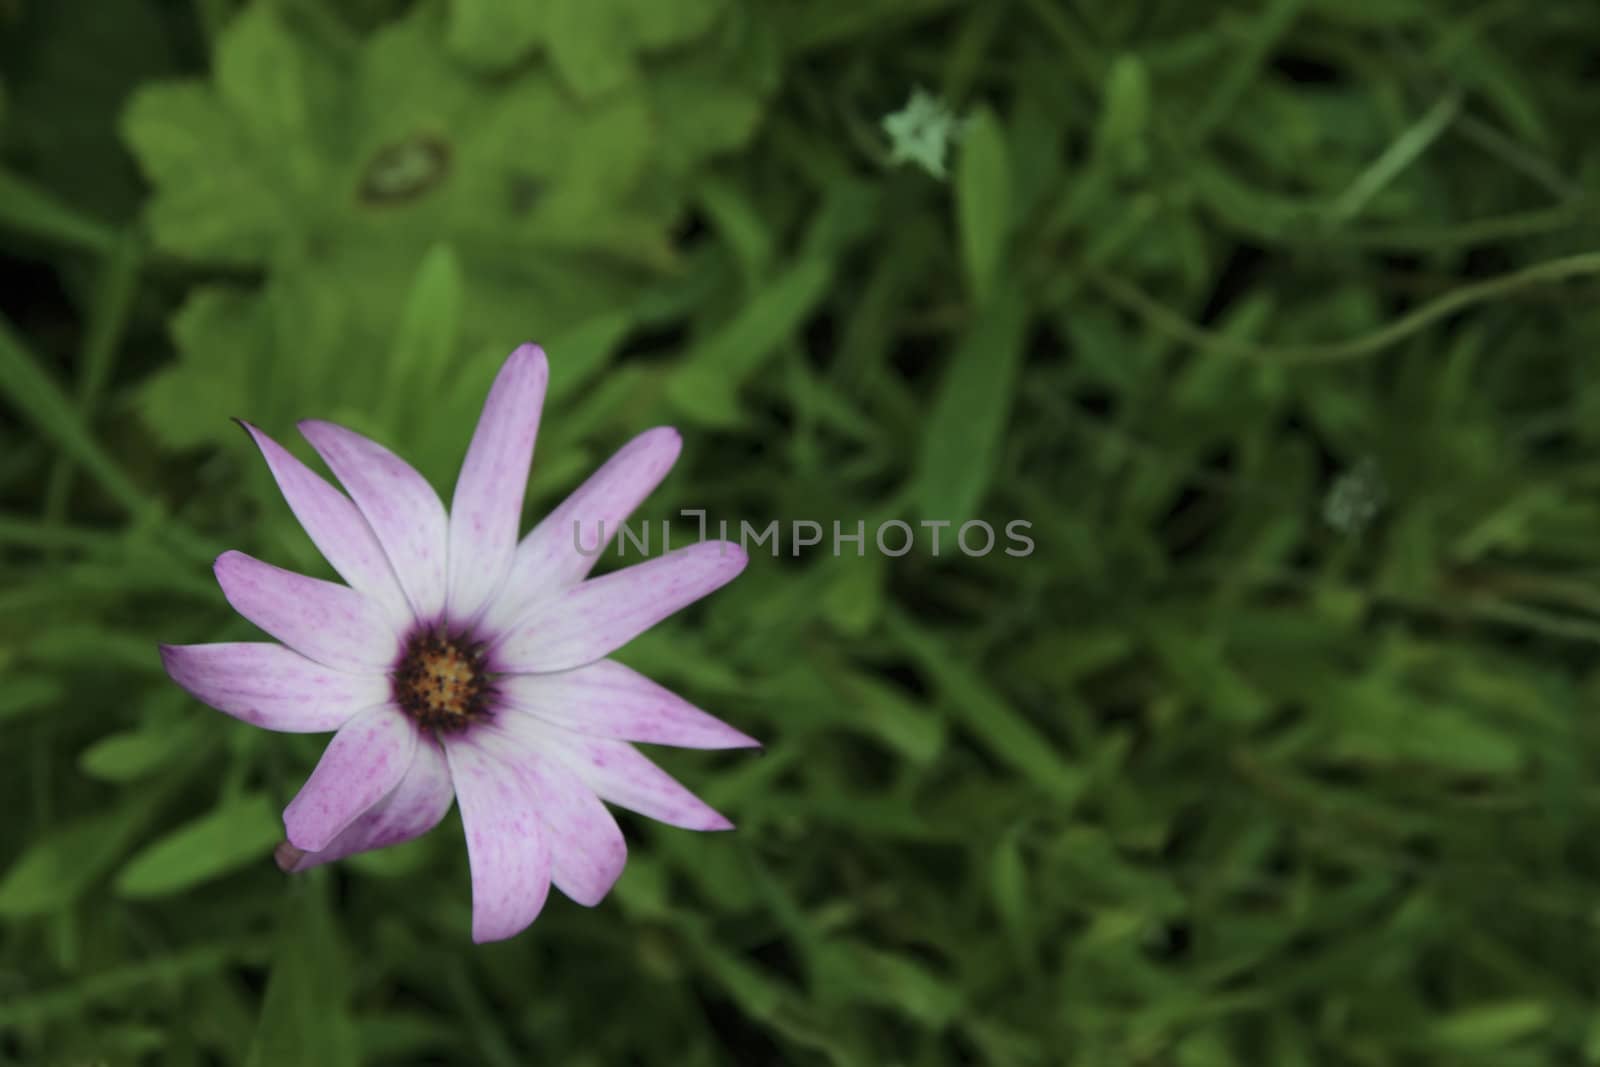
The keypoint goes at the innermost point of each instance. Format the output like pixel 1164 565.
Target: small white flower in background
pixel 1355 498
pixel 921 132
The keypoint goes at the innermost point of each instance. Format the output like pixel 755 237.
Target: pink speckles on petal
pixel 332 624
pixel 270 686
pixel 596 617
pixel 606 699
pixel 365 761
pixel 411 809
pixel 336 527
pixel 547 561
pixel 587 851
pixel 404 512
pixel 507 848
pixel 487 508
pixel 618 772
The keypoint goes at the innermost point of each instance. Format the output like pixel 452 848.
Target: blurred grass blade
pixel 108 321
pixel 34 211
pixel 962 435
pixel 304 1018
pixel 983 203
pixel 984 714
pixel 42 402
pixel 706 384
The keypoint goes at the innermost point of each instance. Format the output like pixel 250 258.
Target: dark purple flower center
pixel 441 681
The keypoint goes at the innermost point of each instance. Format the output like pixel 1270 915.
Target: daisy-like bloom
pixel 458 663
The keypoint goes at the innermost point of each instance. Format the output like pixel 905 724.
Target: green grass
pixel 1276 320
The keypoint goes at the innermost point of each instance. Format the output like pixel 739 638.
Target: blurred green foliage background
pixel 1276 319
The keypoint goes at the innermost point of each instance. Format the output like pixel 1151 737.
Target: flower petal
pixel 411 809
pixel 618 772
pixel 595 618
pixel 587 850
pixel 487 509
pixel 606 699
pixel 270 686
pixel 400 506
pixel 330 623
pixel 362 764
pixel 335 527
pixel 548 559
pixel 507 848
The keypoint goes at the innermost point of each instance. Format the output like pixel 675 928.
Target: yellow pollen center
pixel 445 682
pixel 441 683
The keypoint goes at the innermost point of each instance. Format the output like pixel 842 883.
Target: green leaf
pixel 596 44
pixel 25 693
pixel 425 340
pixel 304 1014
pixel 1125 115
pixel 583 37
pixel 58 867
pixel 896 981
pixel 214 201
pixel 219 335
pixel 578 354
pixel 962 435
pixel 983 203
pixel 1491 1025
pixel 490 33
pixel 853 599
pixel 1008 884
pixel 267 77
pixel 242 831
pixel 134 754
pixel 877 708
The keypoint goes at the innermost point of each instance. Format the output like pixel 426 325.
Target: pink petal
pixel 595 618
pixel 618 772
pixel 547 560
pixel 487 510
pixel 270 686
pixel 606 699
pixel 365 761
pixel 330 623
pixel 335 527
pixel 411 809
pixel 400 506
pixel 507 848
pixel 587 851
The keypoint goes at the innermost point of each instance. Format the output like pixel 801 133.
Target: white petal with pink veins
pixel 400 506
pixel 273 687
pixel 335 526
pixel 362 764
pixel 487 509
pixel 596 617
pixel 330 623
pixel 606 699
pixel 412 808
pixel 548 559
pixel 618 772
pixel 587 851
pixel 508 848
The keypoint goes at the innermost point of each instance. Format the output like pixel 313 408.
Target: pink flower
pixel 460 663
